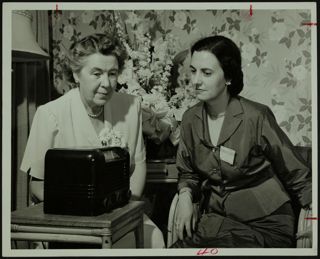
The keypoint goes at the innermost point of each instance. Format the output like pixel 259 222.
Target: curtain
pixel 31 87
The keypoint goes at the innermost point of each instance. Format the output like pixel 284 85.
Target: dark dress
pixel 245 185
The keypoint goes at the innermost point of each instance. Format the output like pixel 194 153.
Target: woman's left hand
pixel 186 218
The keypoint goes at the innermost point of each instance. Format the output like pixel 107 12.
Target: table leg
pixel 138 232
pixel 106 241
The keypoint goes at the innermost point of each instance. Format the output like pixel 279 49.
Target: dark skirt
pixel 276 230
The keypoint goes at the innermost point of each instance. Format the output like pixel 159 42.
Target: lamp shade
pixel 24 44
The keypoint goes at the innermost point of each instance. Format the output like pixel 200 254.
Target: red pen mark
pixel 57 11
pixel 251 10
pixel 312 218
pixel 211 251
pixel 309 23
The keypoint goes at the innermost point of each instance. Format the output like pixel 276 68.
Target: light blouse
pixel 64 123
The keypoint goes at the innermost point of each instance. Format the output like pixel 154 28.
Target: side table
pixel 32 224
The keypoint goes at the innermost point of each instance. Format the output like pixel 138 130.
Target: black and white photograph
pixel 166 129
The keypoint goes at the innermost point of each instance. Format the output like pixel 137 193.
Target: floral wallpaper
pixel 275 46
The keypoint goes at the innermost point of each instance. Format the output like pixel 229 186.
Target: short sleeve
pixel 41 138
pixel 140 152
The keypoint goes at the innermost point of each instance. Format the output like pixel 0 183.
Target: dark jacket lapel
pixel 232 120
pixel 200 125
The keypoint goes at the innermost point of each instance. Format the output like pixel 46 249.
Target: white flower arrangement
pixel 147 74
pixel 112 138
pixel 149 63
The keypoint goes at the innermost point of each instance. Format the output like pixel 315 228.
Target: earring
pixel 228 83
pixel 77 83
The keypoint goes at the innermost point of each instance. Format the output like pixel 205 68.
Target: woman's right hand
pixel 186 218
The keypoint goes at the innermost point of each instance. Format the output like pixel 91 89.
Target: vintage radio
pixel 86 181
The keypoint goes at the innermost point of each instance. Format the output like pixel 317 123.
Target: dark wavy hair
pixel 95 43
pixel 229 56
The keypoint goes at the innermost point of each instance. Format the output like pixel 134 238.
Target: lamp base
pixel 23 56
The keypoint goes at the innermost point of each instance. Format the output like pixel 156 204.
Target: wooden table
pixel 33 225
pixel 161 172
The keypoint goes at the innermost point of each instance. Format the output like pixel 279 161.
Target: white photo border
pixel 6 124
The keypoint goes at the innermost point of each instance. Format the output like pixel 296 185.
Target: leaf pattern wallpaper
pixel 275 47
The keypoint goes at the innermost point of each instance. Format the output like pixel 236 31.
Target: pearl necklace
pixel 92 115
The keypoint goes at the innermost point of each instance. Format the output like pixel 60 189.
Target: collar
pixel 232 120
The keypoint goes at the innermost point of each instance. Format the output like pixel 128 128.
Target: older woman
pixel 234 156
pixel 77 118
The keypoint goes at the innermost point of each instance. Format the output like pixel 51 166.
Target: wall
pixel 275 50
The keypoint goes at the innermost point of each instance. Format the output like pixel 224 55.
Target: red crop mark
pixel 312 218
pixel 309 23
pixel 57 11
pixel 208 251
pixel 250 11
